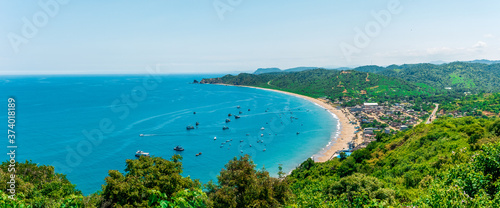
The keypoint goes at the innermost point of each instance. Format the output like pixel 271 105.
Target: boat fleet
pixel 179 148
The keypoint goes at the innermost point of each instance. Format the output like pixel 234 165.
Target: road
pixel 433 114
pixel 380 121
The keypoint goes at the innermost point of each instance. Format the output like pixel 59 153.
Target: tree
pixel 240 185
pixel 143 177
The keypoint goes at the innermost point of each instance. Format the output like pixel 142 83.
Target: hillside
pixel 459 76
pixel 354 87
pixel 450 163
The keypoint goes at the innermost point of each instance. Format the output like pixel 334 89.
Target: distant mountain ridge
pixel 295 69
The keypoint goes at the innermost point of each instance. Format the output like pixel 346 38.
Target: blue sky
pixel 192 36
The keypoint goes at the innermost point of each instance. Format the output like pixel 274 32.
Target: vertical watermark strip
pixel 11 136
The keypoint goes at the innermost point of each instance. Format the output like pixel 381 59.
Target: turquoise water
pixel 87 125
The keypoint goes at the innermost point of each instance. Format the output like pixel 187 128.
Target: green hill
pixel 460 76
pixel 348 85
pixel 450 163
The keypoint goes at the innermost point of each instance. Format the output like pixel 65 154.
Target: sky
pixel 228 36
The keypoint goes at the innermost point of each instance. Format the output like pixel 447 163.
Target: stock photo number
pixel 11 115
pixel 11 135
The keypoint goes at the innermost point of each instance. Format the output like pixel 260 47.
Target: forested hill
pixel 342 85
pixel 463 76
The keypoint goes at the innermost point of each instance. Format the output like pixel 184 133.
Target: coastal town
pixel 371 118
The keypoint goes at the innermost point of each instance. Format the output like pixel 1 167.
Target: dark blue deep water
pixel 87 125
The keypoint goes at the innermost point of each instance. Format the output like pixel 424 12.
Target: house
pixel 403 127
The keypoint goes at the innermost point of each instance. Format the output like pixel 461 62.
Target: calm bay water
pixel 60 120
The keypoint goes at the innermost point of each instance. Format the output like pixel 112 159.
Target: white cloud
pixel 489 35
pixel 479 45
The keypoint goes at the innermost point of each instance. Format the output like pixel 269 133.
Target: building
pixel 403 127
pixel 387 130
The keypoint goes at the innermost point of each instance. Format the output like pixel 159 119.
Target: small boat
pixel 250 145
pixel 141 153
pixel 141 134
pixel 236 117
pixel 225 128
pixel 248 134
pixel 261 135
pixel 227 140
pixel 241 141
pixel 241 151
pixel 179 148
pixel 238 107
pixel 189 127
pixel 198 154
pixel 262 128
pixel 197 123
pixel 221 146
pixel 215 138
pixel 298 133
pixel 249 109
pixel 229 115
pixel 241 112
pixel 194 112
pixel 263 150
pixel 228 120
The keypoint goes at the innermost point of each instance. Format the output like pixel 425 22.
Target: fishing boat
pixel 179 148
pixel 141 153
pixel 197 123
pixel 198 154
pixel 215 138
pixel 236 117
pixel 229 115
pixel 228 120
pixel 262 128
pixel 238 107
pixel 189 127
pixel 141 134
pixel 225 128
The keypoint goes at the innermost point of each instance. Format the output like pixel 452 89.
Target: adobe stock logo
pixel 372 29
pixel 221 7
pixel 40 19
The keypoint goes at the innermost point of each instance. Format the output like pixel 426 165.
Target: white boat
pixel 141 134
pixel 141 153
pixel 262 128
pixel 215 138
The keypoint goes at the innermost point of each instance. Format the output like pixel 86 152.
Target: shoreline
pixel 338 139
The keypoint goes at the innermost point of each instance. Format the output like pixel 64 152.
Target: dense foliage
pixel 482 104
pixel 240 185
pixel 450 163
pixel 460 76
pixel 353 87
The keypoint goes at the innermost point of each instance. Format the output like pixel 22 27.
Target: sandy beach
pixel 346 129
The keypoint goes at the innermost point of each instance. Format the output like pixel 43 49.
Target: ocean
pixel 86 125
